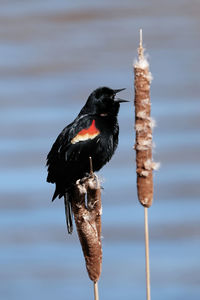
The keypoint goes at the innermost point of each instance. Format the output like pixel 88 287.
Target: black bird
pixel 93 133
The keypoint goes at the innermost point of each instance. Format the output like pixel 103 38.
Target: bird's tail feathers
pixel 68 213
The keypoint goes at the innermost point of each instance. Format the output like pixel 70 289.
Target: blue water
pixel 52 55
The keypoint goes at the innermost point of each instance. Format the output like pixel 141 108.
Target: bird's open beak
pixel 119 90
pixel 118 99
pixel 121 100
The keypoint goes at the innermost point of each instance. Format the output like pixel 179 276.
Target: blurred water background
pixel 52 55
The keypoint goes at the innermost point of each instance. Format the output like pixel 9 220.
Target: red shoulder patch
pixel 86 134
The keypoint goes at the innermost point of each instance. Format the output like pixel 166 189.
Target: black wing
pixel 68 161
pixel 53 157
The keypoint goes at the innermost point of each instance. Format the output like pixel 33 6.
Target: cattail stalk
pixel 87 215
pixel 146 226
pixel 96 292
pixel 143 145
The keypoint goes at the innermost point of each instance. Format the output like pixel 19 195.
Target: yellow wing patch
pixel 86 134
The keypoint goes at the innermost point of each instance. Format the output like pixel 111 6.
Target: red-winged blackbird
pixel 94 133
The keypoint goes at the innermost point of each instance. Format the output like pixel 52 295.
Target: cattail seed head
pixel 88 222
pixel 143 127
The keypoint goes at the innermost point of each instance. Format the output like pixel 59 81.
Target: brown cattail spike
pixel 88 222
pixel 143 128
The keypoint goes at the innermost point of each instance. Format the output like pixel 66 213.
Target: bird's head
pixel 103 101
